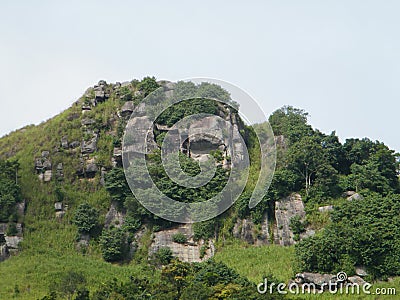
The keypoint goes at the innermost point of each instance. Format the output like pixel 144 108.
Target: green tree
pixel 148 85
pixel 306 157
pixel 10 191
pixel 116 185
pixel 114 244
pixel 163 255
pixel 291 123
pixel 86 218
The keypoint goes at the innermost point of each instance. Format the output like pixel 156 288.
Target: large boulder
pixel 319 280
pixel 60 172
pixel 87 122
pixel 114 217
pixel 47 175
pixel 127 109
pixel 89 146
pixel 325 208
pixel 91 170
pixel 246 230
pixel 13 242
pixel 64 142
pixel 285 210
pixel 355 196
pixel 74 144
pixel 191 251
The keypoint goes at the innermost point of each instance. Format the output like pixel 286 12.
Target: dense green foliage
pixel 86 218
pixel 179 280
pixel 10 192
pixel 365 232
pixel 314 164
pixel 114 244
pixel 179 238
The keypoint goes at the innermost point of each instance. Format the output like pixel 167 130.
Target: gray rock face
pixel 64 142
pixel 43 166
pixel 117 157
pixel 38 164
pixel 189 251
pixel 86 108
pixel 361 271
pixel 47 175
pixel 74 144
pixel 357 280
pixel 246 230
pixel 47 165
pixel 284 211
pixel 58 206
pixel 91 170
pixel 80 168
pixel 12 242
pixel 127 109
pixel 348 194
pixel 103 173
pixel 60 172
pixel 355 197
pixel 114 217
pixel 325 208
pixel 323 282
pixel 89 146
pixel 99 96
pixel 319 280
pixel 137 128
pixel 87 122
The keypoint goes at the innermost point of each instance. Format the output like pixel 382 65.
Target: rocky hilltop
pixel 68 157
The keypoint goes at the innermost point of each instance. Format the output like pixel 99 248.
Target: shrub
pixel 296 225
pixel 113 243
pixel 86 218
pixel 179 238
pixel 164 255
pixel 12 229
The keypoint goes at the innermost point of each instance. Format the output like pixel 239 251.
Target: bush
pixel 164 255
pixel 179 238
pixel 296 225
pixel 86 218
pixel 204 230
pixel 113 243
pixel 12 229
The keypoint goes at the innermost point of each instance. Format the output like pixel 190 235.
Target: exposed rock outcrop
pixel 285 210
pixel 325 208
pixel 127 109
pixel 114 217
pixel 324 282
pixel 246 230
pixel 90 146
pixel 64 142
pixel 189 251
pixel 355 196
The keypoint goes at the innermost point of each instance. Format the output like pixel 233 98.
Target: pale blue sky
pixel 338 60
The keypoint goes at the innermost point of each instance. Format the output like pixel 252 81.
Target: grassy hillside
pixel 49 248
